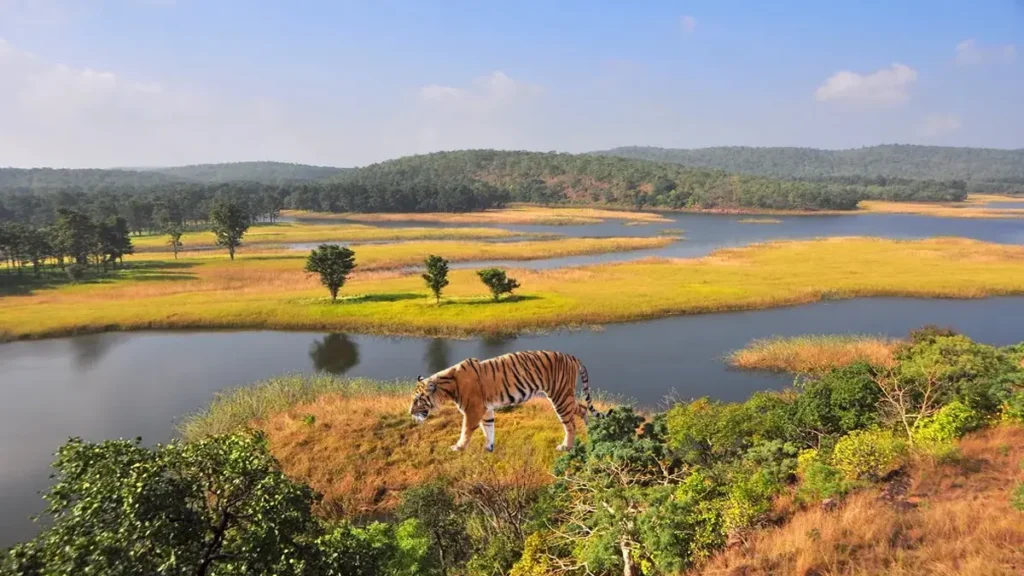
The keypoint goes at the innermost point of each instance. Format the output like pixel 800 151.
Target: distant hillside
pixel 474 179
pixel 263 172
pixel 36 179
pixel 902 161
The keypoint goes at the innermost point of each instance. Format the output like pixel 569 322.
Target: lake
pixel 704 233
pixel 139 384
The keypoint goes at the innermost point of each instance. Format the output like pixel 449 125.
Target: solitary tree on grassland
pixel 229 222
pixel 436 276
pixel 333 263
pixel 497 282
pixel 174 231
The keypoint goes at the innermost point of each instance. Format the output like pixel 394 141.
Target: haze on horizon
pixel 120 83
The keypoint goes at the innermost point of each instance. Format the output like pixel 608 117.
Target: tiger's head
pixel 425 398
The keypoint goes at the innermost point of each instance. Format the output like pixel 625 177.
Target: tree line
pixel 455 182
pixel 643 494
pixel 72 243
pixel 983 169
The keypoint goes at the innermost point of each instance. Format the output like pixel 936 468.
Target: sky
pixel 124 83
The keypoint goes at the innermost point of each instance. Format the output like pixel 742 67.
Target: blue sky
pixel 102 83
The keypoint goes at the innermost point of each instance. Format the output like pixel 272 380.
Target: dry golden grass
pixel 813 354
pixel 956 520
pixel 518 214
pixel 362 452
pixel 299 233
pixel 972 208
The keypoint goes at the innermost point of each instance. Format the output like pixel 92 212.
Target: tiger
pixel 478 387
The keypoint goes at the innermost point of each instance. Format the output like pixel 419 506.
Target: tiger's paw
pixel 489 448
pixel 561 447
pixel 456 448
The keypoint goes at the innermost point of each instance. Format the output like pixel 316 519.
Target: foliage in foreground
pixel 642 494
pixel 216 506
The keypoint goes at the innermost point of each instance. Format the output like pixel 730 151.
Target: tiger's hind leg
pixel 487 426
pixel 568 417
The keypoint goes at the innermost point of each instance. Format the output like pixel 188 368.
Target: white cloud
pixel 888 86
pixel 689 24
pixel 970 53
pixel 937 125
pixel 493 111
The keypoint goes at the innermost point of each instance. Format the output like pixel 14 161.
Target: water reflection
pixel 90 349
pixel 495 344
pixel 334 353
pixel 438 355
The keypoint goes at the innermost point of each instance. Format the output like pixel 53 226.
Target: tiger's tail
pixel 585 410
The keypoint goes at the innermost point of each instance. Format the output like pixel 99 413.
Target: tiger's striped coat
pixel 478 387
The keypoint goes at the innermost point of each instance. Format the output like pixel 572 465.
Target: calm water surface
pixel 126 385
pixel 704 233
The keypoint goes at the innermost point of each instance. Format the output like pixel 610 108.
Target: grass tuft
pixel 813 354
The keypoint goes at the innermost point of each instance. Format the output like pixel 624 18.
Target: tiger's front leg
pixel 487 425
pixel 470 420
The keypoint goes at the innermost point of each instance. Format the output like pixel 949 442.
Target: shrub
pixel 804 460
pixel 534 561
pixel 951 422
pixel 775 458
pixel 820 481
pixel 76 272
pixel 868 454
pixel 1013 408
pixel 749 500
pixel 1017 499
pixel 705 431
pixel 841 400
pixel 929 333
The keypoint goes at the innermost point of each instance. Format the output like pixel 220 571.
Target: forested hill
pixel 901 161
pixel 474 179
pixel 40 179
pixel 262 172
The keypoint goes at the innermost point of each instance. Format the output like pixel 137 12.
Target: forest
pixel 984 169
pixel 441 182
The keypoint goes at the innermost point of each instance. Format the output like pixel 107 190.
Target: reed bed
pixel 813 354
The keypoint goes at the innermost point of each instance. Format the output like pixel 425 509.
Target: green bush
pixel 76 272
pixel 1017 499
pixel 868 454
pixel 819 481
pixel 841 400
pixel 534 561
pixel 750 500
pixel 1013 408
pixel 948 424
pixel 705 431
pixel 775 458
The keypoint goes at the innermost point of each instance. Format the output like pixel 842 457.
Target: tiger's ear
pixel 419 378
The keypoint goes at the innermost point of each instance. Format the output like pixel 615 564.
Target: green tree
pixel 497 282
pixel 218 505
pixel 436 275
pixel 333 263
pixel 74 235
pixel 229 222
pixel 438 515
pixel 174 233
pixel 117 240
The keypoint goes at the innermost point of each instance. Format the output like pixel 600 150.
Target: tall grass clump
pixel 813 354
pixel 237 407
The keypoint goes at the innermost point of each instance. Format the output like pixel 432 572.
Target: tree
pixel 229 222
pixel 436 276
pixel 117 239
pixel 217 505
pixel 174 232
pixel 497 282
pixel 75 235
pixel 333 263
